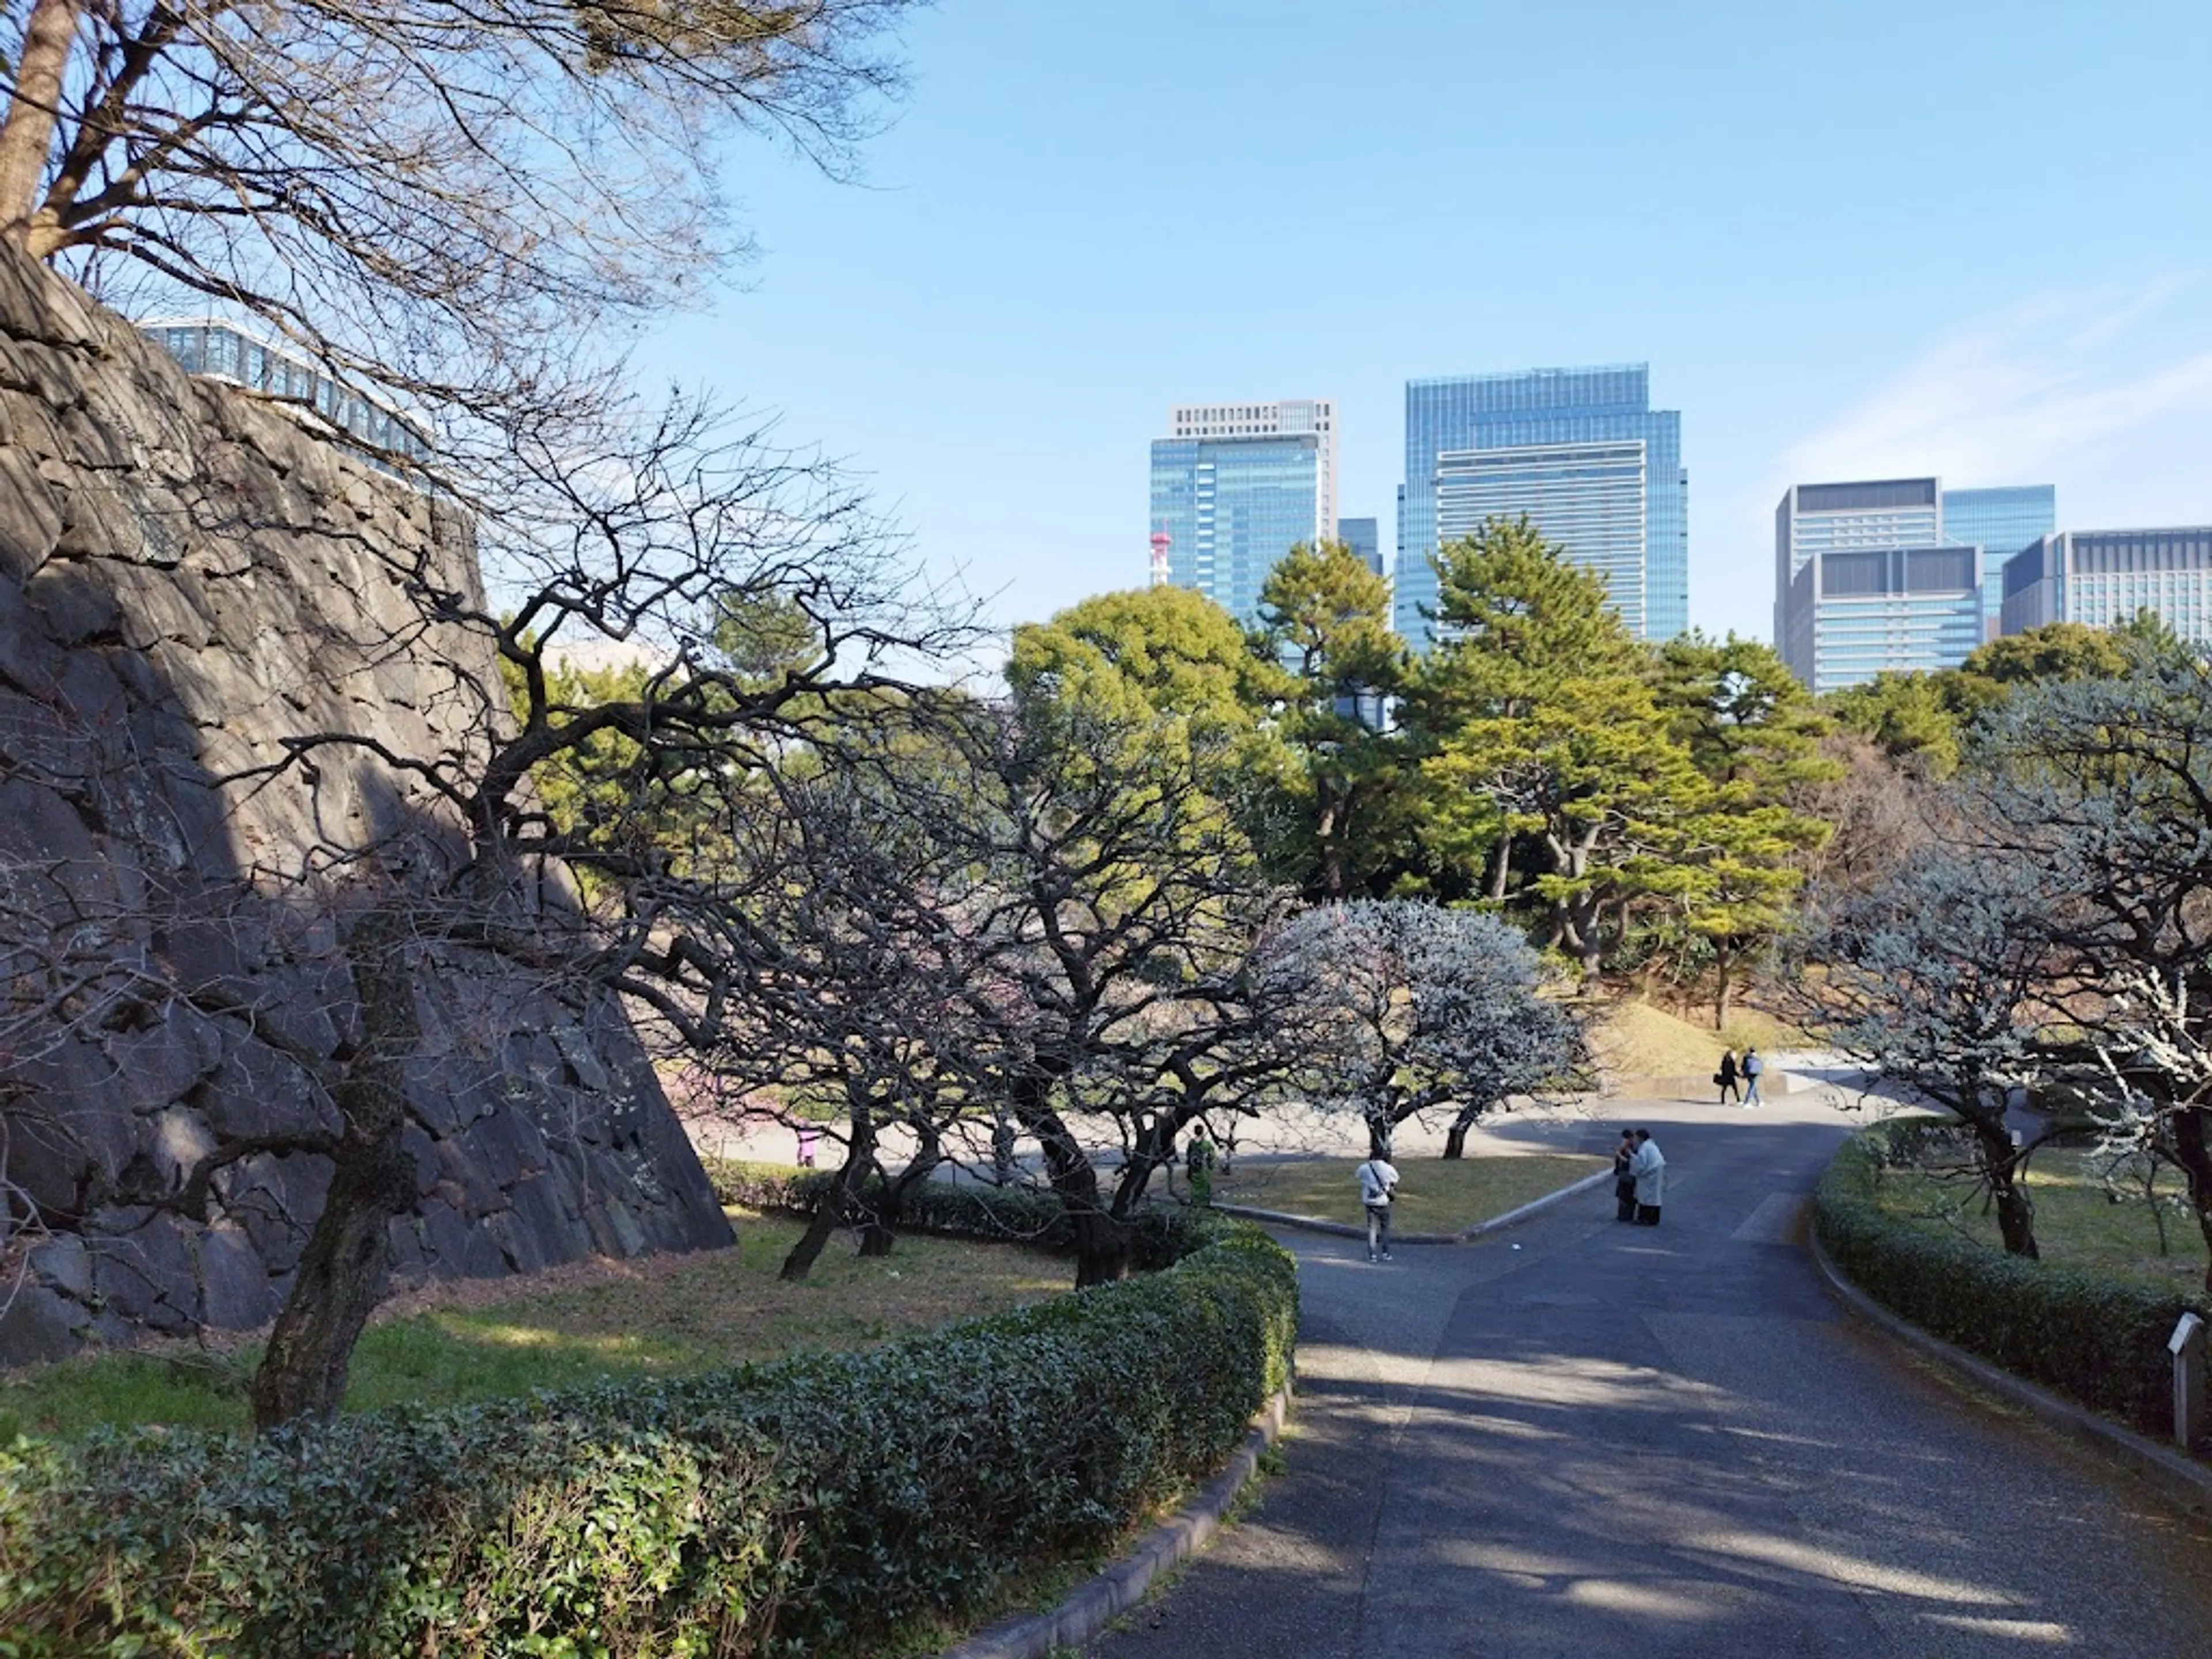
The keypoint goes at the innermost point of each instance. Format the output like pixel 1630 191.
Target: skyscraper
pixel 1235 486
pixel 1365 538
pixel 1582 451
pixel 2001 522
pixel 1866 582
pixel 2103 577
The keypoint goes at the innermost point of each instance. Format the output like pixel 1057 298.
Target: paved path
pixel 1618 1441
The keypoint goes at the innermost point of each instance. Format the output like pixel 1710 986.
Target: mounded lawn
pixel 2076 1225
pixel 589 1321
pixel 1436 1195
pixel 1637 1040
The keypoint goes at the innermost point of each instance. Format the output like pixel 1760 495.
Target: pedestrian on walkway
pixel 1651 1170
pixel 1624 1177
pixel 808 1135
pixel 1726 1077
pixel 1198 1164
pixel 1378 1180
pixel 1753 1069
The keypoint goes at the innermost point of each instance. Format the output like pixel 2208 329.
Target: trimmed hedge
pixel 805 1507
pixel 1159 1235
pixel 2098 1341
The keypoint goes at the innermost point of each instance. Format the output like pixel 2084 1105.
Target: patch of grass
pixel 661 1316
pixel 2076 1224
pixel 1437 1194
pixel 1636 1039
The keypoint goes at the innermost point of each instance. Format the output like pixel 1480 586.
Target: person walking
pixel 1378 1180
pixel 1624 1177
pixel 1753 1069
pixel 1726 1077
pixel 1198 1164
pixel 1650 1171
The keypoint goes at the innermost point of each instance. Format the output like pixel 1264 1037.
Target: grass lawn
pixel 476 1340
pixel 1437 1194
pixel 2075 1223
pixel 1635 1039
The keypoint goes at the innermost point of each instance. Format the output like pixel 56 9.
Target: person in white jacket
pixel 1377 1181
pixel 1650 1169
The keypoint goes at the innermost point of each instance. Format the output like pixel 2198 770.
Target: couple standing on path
pixel 1639 1178
pixel 1751 1070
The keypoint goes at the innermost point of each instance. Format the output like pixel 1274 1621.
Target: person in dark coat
pixel 1624 1178
pixel 1726 1077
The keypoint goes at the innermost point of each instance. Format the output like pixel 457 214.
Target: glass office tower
pixel 1582 451
pixel 2103 577
pixel 1866 582
pixel 1231 506
pixel 2001 522
pixel 1364 537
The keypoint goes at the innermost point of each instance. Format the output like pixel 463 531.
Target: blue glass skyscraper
pixel 1582 451
pixel 1364 537
pixel 1231 508
pixel 2001 522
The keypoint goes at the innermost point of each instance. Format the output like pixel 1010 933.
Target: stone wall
pixel 188 577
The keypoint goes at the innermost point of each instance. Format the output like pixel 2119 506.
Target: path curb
pixel 1093 1606
pixel 1350 1230
pixel 2173 1478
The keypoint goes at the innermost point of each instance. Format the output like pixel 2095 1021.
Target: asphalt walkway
pixel 1621 1441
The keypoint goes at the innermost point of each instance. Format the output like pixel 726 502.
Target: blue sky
pixel 1849 238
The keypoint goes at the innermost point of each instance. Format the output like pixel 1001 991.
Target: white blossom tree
pixel 1416 1008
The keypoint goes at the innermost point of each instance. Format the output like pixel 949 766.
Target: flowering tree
pixel 1938 979
pixel 1416 1008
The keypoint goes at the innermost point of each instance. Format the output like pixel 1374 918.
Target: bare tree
pixel 1117 908
pixel 465 200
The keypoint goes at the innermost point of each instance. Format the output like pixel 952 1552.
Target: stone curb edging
pixel 1350 1230
pixel 1092 1606
pixel 2173 1478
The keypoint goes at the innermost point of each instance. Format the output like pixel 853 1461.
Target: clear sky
pixel 1851 240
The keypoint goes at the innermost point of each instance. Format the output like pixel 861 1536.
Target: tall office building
pixel 1234 486
pixel 1582 451
pixel 2103 577
pixel 1365 538
pixel 1866 582
pixel 2001 522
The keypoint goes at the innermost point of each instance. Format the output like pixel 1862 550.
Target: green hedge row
pixel 1159 1234
pixel 2098 1341
pixel 807 1507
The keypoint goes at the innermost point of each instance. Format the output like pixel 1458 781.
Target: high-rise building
pixel 2001 522
pixel 1365 538
pixel 1582 451
pixel 1235 486
pixel 223 351
pixel 2103 577
pixel 1866 582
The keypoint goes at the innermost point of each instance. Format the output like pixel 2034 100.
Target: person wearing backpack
pixel 1754 1068
pixel 1377 1181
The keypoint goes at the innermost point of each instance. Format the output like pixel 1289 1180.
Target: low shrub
pixel 1159 1234
pixel 2096 1340
pixel 805 1507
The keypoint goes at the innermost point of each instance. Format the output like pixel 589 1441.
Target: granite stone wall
pixel 188 577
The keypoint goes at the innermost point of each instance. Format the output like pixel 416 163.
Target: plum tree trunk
pixel 341 1277
pixel 1102 1239
pixel 2001 1168
pixel 28 132
pixel 2193 1155
pixel 841 1200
